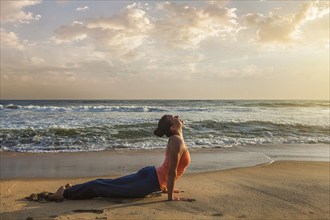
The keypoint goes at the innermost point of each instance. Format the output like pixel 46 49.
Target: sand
pixel 281 190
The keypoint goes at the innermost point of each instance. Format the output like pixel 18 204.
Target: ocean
pixel 98 125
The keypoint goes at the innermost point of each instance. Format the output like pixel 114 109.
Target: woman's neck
pixel 179 133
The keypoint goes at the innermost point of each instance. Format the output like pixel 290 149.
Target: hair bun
pixel 159 132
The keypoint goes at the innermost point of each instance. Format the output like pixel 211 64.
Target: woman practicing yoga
pixel 147 180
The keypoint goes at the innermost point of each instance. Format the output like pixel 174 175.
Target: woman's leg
pixel 139 184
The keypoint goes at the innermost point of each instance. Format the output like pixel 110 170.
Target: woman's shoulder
pixel 176 142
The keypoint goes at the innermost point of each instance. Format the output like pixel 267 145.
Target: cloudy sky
pixel 164 50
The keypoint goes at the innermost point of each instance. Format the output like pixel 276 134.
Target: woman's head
pixel 164 127
pixel 168 125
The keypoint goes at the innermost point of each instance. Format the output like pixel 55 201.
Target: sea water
pixel 97 125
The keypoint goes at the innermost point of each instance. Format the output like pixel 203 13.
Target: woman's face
pixel 176 121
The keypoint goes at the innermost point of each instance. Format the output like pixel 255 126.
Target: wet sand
pixel 281 190
pixel 108 163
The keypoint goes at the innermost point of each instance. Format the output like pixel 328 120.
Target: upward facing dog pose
pixel 147 180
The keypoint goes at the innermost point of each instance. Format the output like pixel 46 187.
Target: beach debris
pixel 190 200
pixel 43 197
pixel 97 211
pixel 218 214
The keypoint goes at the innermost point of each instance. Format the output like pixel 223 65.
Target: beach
pixel 284 188
pixel 250 159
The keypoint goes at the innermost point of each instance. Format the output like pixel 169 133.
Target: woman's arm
pixel 175 145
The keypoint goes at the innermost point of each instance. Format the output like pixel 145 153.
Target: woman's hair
pixel 164 127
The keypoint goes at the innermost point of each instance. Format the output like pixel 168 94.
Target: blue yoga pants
pixel 135 185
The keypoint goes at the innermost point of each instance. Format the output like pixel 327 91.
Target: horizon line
pixel 170 99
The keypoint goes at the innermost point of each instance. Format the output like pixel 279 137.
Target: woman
pixel 148 179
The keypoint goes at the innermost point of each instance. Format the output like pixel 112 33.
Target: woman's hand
pixel 174 191
pixel 184 199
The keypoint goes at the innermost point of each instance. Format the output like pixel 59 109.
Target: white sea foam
pixel 99 108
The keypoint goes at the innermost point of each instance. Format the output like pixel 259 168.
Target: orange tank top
pixel 162 171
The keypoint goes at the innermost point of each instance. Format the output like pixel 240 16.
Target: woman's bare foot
pixel 58 195
pixel 68 185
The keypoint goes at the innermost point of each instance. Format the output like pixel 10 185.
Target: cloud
pixel 285 29
pixel 13 11
pixel 82 9
pixel 73 32
pixel 136 41
pixel 316 31
pixel 68 61
pixel 119 34
pixel 10 40
pixel 186 27
pixel 182 27
pixel 315 24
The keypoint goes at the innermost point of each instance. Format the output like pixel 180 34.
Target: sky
pixel 61 49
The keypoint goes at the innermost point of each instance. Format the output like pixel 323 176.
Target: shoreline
pixel 281 190
pixel 15 165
